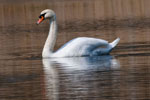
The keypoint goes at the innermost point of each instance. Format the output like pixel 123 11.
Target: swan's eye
pixel 42 15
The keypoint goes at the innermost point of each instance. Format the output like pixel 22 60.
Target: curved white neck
pixel 51 39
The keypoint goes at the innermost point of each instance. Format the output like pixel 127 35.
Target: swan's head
pixel 46 14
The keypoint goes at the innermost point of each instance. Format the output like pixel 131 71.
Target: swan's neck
pixel 51 39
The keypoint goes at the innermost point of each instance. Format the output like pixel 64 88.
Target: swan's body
pixel 82 46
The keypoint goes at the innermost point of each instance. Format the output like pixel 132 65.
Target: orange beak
pixel 40 20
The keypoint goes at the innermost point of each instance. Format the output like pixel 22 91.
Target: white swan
pixel 81 46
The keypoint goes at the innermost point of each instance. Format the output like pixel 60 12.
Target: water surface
pixel 123 75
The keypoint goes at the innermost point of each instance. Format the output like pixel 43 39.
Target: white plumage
pixel 84 46
pixel 81 46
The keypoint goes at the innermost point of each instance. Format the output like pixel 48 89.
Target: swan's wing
pixel 82 46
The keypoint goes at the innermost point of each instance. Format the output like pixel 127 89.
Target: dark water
pixel 123 75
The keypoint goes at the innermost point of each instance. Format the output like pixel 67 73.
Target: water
pixel 123 75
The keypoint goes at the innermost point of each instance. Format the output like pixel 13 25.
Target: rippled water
pixel 123 75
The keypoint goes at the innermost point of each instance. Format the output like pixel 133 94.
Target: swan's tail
pixel 114 43
pixel 108 49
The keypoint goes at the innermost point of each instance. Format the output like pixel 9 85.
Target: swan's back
pixel 82 46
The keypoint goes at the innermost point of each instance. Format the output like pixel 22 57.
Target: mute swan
pixel 81 46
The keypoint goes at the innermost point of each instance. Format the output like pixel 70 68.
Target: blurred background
pixel 23 75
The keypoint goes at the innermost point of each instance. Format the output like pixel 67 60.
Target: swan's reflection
pixel 57 67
